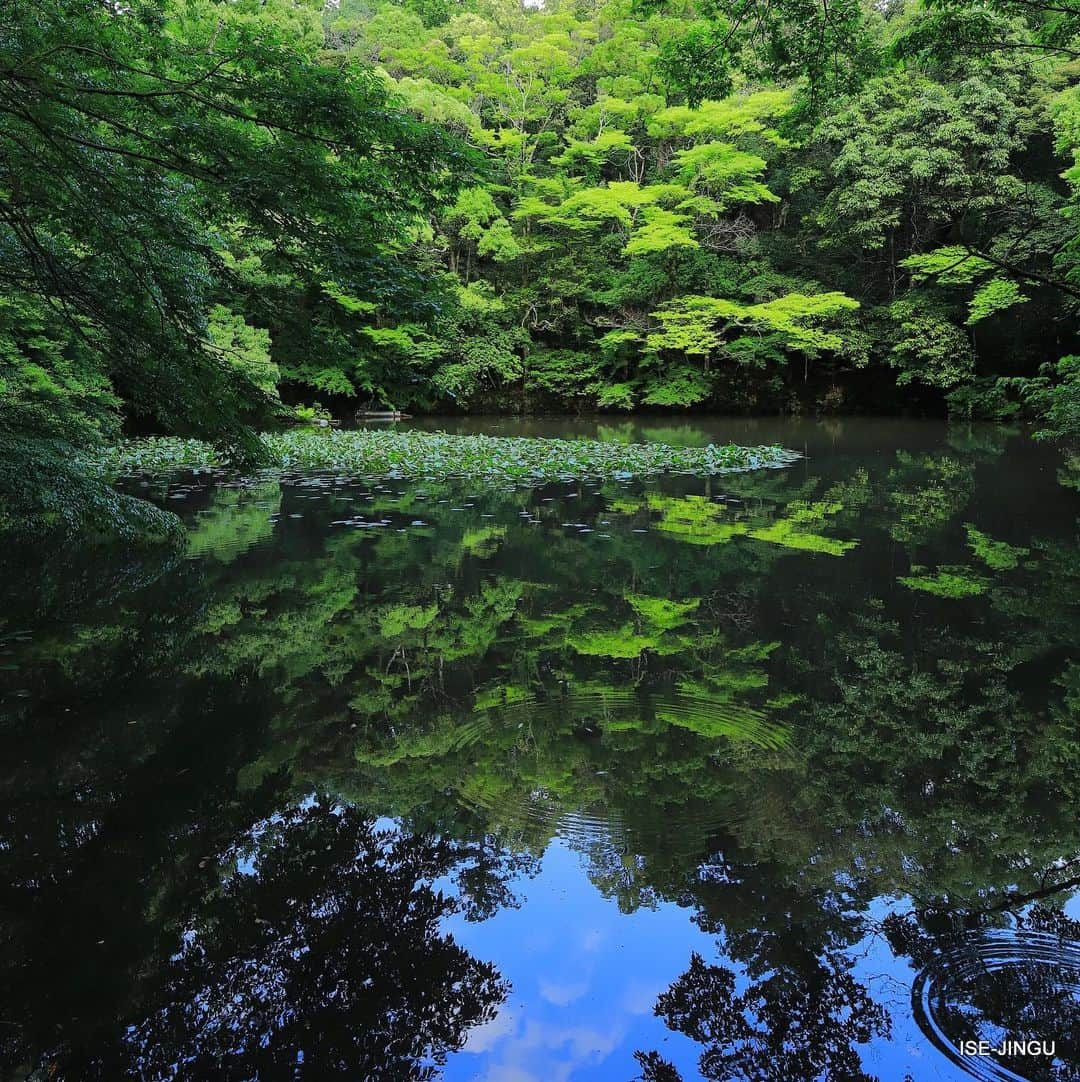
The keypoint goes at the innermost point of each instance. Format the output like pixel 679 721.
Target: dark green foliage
pixel 46 490
pixel 155 157
pixel 1054 397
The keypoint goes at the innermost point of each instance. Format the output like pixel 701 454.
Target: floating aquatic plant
pixel 439 454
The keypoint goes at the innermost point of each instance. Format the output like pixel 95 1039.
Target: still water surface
pixel 773 776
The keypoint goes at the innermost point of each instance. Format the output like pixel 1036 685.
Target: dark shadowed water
pixel 768 777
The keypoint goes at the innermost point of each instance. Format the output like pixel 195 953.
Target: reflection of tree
pixel 58 582
pixel 958 772
pixel 700 521
pixel 765 728
pixel 236 519
pixel 320 956
pixel 430 682
pixel 486 871
pixel 985 978
pixel 931 490
pixel 791 1023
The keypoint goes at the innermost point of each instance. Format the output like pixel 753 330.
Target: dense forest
pixel 573 741
pixel 748 208
pixel 214 214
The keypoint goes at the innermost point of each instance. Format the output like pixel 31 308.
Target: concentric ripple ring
pixel 951 978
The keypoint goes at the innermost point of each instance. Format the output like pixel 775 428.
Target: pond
pixel 773 775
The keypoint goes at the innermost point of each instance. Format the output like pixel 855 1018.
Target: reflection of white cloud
pixel 562 995
pixel 485 1037
pixel 639 998
pixel 510 1074
pixel 592 940
pixel 538 1051
pixel 584 1043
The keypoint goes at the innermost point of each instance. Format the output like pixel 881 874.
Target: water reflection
pixel 318 956
pixel 780 722
pixel 1005 987
pixel 799 1021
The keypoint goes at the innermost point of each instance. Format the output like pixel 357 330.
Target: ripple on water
pixel 621 707
pixel 1002 985
pixel 594 711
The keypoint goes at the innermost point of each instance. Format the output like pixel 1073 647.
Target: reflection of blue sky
pixel 888 979
pixel 584 980
pixel 909 1054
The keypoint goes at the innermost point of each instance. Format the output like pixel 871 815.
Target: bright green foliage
pixel 725 174
pixel 607 199
pixel 678 386
pixel 1066 113
pixel 498 242
pixel 478 229
pixel 929 348
pixel 997 295
pixel 751 115
pixel 662 230
pixel 956 266
pixel 951 265
pixel 997 555
pixel 949 582
pixel 479 346
pixel 621 396
pixel 703 326
pixel 246 347
pixel 208 209
pixel 51 384
pixel 587 157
